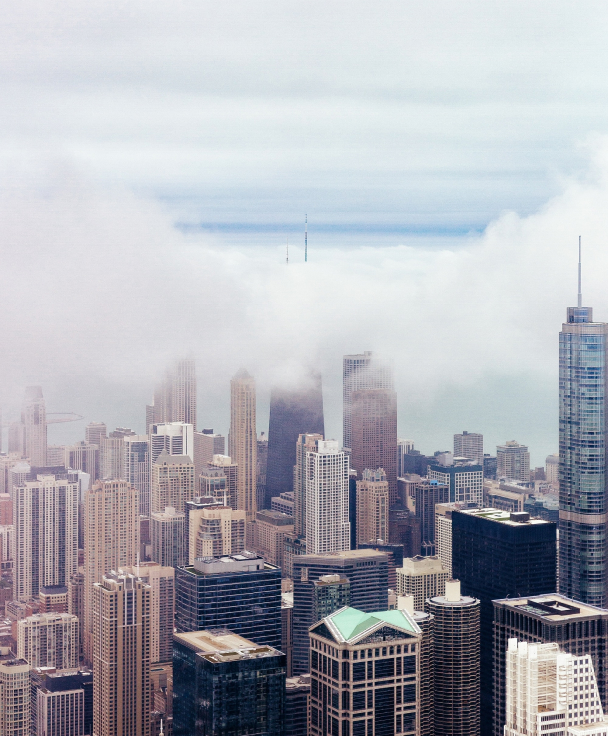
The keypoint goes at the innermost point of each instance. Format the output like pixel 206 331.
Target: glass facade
pixel 583 550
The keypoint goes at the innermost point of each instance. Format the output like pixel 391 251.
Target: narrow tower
pixel 305 238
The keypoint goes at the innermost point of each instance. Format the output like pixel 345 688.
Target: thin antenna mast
pixel 580 294
pixel 305 238
pixel 287 259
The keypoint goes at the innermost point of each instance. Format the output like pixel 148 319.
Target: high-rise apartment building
pixel 172 438
pixel 360 372
pixel 578 628
pixel 168 536
pixel 211 484
pixel 83 456
pixel 374 434
pixel 121 656
pixel 241 593
pixel 112 454
pixel 469 445
pixel 175 395
pixel 268 533
pixel 367 573
pixel 61 703
pixel 206 445
pixel 262 469
pixel 513 461
pixel 111 539
pixel 214 530
pixel 496 554
pixel 443 531
pixel 544 695
pixel 46 532
pixel 93 433
pixel 306 443
pixel 583 436
pixel 422 578
pixel 456 658
pixel 552 470
pixel 226 684
pixel 327 500
pixel 365 674
pixel 33 419
pixel 292 412
pixel 49 640
pixel 15 713
pixel 172 482
pixel 243 440
pixel 55 456
pixel 372 507
pixel 136 468
pixel 465 481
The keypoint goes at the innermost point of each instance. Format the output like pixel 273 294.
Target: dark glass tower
pixel 583 565
pixel 291 413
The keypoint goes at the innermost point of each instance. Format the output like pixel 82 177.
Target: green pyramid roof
pixel 351 623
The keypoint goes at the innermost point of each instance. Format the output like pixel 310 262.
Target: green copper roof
pixel 351 623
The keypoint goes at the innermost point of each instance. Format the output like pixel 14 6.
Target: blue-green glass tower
pixel 583 492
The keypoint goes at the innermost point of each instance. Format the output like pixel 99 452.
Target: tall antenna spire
pixel 287 259
pixel 580 294
pixel 305 238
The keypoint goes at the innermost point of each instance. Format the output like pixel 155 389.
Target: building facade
pixel 243 440
pixel 465 481
pixel 172 482
pixel 372 507
pixel 33 420
pixel 422 578
pixel 49 640
pixel 136 466
pixel 215 531
pixel 469 445
pixel 513 462
pixel 306 443
pixel 168 537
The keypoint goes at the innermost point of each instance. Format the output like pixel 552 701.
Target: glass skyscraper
pixel 583 551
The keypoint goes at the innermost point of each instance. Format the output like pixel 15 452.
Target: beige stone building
pixel 268 533
pixel 372 507
pixel 216 531
pixel 49 640
pixel 306 443
pixel 220 479
pixel 243 440
pixel 421 577
pixel 172 482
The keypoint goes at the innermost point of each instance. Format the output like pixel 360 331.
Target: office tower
pixel 225 684
pixel 243 439
pixel 379 651
pixel 268 533
pixel 46 532
pixel 469 445
pixel 395 556
pixel 111 454
pixel 53 599
pixel 136 468
pixel 206 444
pixel 7 462
pixel 426 494
pixel 367 572
pixel 456 650
pixel 329 593
pixel 167 535
pixel 33 419
pixel 14 696
pixel 93 433
pixel 360 372
pixel 175 395
pixel 306 443
pixel 541 694
pixel 496 554
pixel 172 438
pixel 262 469
pixel 16 439
pixel 297 693
pixel 465 481
pixel 162 607
pixel 287 631
pixel 404 529
pixel 214 530
pixel 422 578
pixel 49 640
pixel 374 434
pixel 121 656
pixel 224 490
pixel 403 448
pixel 172 482
pixel 292 413
pixel 61 703
pixel 578 628
pixel 82 456
pixel 76 606
pixel 327 525
pixel 111 539
pixel 372 507
pixel 240 592
pixel 513 461
pixel 443 531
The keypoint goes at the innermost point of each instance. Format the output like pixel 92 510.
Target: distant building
pixel 33 419
pixel 211 483
pixel 283 503
pixel 469 445
pixel 82 456
pixel 465 481
pixel 329 593
pixel 404 529
pixel 214 531
pixel 403 448
pixel 306 443
pixel 243 440
pixel 172 438
pixel 372 506
pixel 175 395
pixel 443 531
pixel 206 445
pixel 513 461
pixel 552 470
pixel 112 454
pixel 297 694
pixel 268 536
pixel 490 465
pixel 226 684
pixel 422 578
pixel 93 433
pixel 395 556
pixel 172 482
pixel 167 535
pixel 425 495
pixel 136 467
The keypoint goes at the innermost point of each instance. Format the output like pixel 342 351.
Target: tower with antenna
pixel 305 238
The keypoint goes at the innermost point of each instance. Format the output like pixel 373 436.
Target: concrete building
pixel 215 531
pixel 33 419
pixel 423 496
pixel 443 531
pixel 49 640
pixel 329 593
pixel 513 462
pixel 221 479
pixel 206 445
pixel 168 536
pixel 374 434
pixel 53 599
pixel 306 443
pixel 93 433
pixel 268 533
pixel 327 524
pixel 15 713
pixel 172 438
pixel 175 395
pixel 283 503
pixel 469 445
pixel 82 456
pixel 422 578
pixel 46 531
pixel 465 482
pixel 456 661
pixel 403 448
pixel 261 469
pixel 552 470
pixel 121 656
pixel 372 506
pixel 243 440
pixel 61 702
pixel 226 684
pixel 136 468
pixel 111 453
pixel 172 482
pixel 365 673
pixel 241 593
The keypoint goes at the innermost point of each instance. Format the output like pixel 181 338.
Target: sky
pixel 156 157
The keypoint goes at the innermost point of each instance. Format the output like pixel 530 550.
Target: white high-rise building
pixel 33 418
pixel 49 640
pixel 167 536
pixel 421 577
pixel 174 438
pixel 403 448
pixel 513 461
pixel 15 696
pixel 469 445
pixel 112 452
pixel 552 470
pixel 327 524
pixel 172 482
pixel 136 467
pixel 550 692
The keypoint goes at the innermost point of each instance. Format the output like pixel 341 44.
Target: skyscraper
pixel 426 494
pixel 422 578
pixel 121 656
pixel 513 461
pixel 469 445
pixel 403 448
pixel 292 413
pixel 583 435
pixel 214 530
pixel 172 482
pixel 174 438
pixel 374 434
pixel 306 443
pixel 49 640
pixel 243 439
pixel 226 490
pixel 83 456
pixel 15 695
pixel 465 481
pixel 61 703
pixel 136 468
pixel 206 445
pixel 372 507
pixel 175 395
pixel 33 420
pixel 268 533
pixel 327 524
pixel 167 535
pixel 93 433
pixel 112 453
pixel 362 371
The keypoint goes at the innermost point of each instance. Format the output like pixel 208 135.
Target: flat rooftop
pixel 509 518
pixel 552 607
pixel 222 645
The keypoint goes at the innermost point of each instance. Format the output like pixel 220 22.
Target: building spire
pixel 580 294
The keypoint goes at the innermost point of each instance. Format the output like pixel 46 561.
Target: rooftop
pixel 349 624
pixel 222 645
pixel 553 607
pixel 509 518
